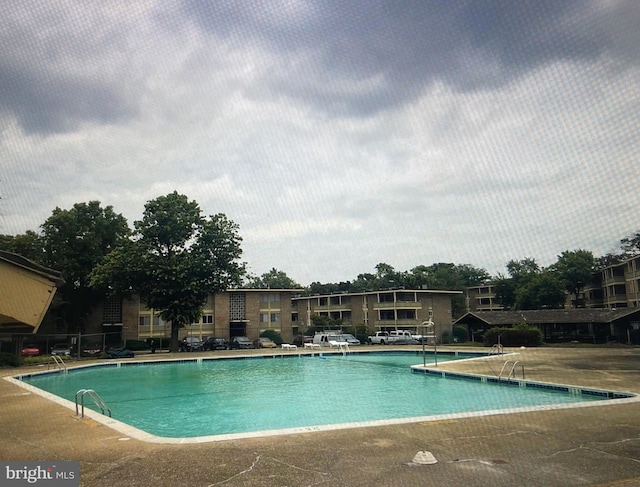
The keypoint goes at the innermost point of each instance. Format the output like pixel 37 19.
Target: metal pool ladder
pixel 514 364
pixel 344 348
pixel 59 363
pixel 95 397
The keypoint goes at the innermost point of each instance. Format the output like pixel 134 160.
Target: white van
pixel 402 337
pixel 325 338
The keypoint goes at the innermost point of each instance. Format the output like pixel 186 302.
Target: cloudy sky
pixel 336 134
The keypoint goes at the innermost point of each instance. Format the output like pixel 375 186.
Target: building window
pixel 207 319
pixel 406 297
pixel 406 314
pixel 270 297
pixel 275 317
pixel 264 317
pixel 237 306
pixel 387 315
pixel 112 311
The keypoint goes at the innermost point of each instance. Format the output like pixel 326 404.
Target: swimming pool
pixel 223 398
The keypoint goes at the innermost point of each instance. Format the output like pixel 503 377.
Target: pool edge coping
pixel 137 434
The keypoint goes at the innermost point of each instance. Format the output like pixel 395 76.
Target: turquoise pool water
pixel 214 397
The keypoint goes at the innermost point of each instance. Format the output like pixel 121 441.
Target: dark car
pixel 119 352
pixel 91 350
pixel 240 342
pixel 215 343
pixel 191 344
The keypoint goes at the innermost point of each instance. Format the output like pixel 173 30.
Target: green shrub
pixel 42 359
pixel 8 359
pixel 460 332
pixel 445 338
pixel 517 336
pixel 273 335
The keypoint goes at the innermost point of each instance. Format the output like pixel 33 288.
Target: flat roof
pixel 382 291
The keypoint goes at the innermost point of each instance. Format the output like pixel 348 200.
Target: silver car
pixel 61 349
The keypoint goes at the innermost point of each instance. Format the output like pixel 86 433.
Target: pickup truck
pixel 396 337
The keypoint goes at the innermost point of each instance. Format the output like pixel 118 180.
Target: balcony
pixel 332 307
pixel 398 322
pixel 398 305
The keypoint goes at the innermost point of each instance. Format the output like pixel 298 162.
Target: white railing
pixel 514 365
pixel 58 362
pixel 95 397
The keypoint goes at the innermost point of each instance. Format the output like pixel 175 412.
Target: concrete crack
pixel 247 470
pixel 298 468
pixel 260 457
pixel 597 450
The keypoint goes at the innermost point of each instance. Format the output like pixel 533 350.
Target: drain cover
pixel 424 458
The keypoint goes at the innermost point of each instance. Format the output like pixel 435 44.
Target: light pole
pixel 429 325
pixel 424 337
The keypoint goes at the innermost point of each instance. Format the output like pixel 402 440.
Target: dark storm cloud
pixel 58 68
pixel 407 45
pixel 54 103
pixel 65 64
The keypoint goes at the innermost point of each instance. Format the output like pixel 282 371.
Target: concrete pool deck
pixel 579 446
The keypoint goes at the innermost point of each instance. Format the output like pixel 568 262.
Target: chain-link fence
pixel 76 345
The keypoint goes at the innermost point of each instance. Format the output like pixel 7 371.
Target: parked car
pixel 240 342
pixel 91 350
pixel 215 343
pixel 264 342
pixel 119 352
pixel 61 349
pixel 30 351
pixel 191 344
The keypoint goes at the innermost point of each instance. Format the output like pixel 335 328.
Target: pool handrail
pixel 97 400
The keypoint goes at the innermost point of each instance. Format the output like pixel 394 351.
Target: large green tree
pixel 505 289
pixel 629 247
pixel 27 245
pixel 575 270
pixel 74 242
pixel 274 279
pixel 520 273
pixel 175 259
pixel 543 290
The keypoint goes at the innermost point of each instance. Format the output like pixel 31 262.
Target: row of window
pixel 382 298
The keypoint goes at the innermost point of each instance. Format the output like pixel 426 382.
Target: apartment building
pixel 378 310
pixel 483 298
pixel 615 286
pixel 236 312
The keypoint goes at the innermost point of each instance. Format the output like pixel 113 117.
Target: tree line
pixel 175 256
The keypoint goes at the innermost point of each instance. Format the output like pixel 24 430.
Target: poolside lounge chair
pixel 287 346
